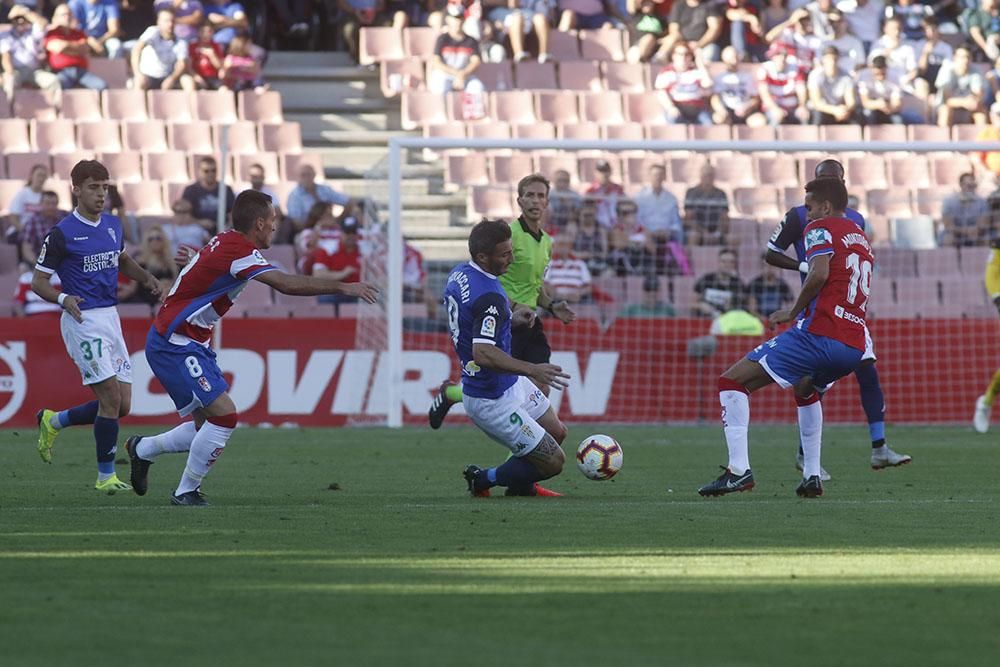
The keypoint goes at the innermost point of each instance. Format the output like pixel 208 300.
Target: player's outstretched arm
pixel 819 271
pixel 783 261
pixel 490 356
pixel 295 285
pixel 41 286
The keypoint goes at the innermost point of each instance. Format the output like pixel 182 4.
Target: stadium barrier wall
pixel 309 372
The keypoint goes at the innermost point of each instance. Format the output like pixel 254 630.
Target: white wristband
pixel 804 267
pixel 61 298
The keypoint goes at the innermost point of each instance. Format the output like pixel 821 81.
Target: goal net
pixel 654 325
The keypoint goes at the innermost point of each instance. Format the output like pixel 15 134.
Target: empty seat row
pixel 63 135
pixel 892 177
pixel 177 106
pixel 381 44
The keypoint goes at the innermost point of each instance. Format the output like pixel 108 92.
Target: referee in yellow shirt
pixel 525 288
pixel 984 404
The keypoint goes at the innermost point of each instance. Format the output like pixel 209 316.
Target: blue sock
pixel 78 416
pixel 873 402
pixel 106 436
pixel 514 472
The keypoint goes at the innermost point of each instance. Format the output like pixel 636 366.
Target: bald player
pixel 789 233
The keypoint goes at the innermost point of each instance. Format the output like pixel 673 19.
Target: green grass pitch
pixel 359 546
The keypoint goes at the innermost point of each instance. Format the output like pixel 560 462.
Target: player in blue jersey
pixel 500 395
pixel 87 250
pixel 789 233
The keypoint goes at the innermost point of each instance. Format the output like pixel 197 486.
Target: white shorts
pixel 511 419
pixel 869 354
pixel 96 345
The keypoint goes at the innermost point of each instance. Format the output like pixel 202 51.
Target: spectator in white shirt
pixel 852 51
pixel 831 91
pixel 308 192
pixel 567 277
pixel 863 18
pixel 159 59
pixel 735 100
pixel 21 52
pixel 659 212
pixel 881 97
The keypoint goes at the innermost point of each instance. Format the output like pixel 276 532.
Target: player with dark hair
pixel 525 286
pixel 87 250
pixel 177 347
pixel 826 343
pixel 498 394
pixel 790 233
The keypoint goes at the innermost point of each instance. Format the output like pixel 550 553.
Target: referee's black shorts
pixel 530 344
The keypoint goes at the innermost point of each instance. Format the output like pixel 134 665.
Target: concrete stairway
pixel 346 119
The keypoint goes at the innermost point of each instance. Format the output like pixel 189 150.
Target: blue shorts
pixel 797 354
pixel 189 372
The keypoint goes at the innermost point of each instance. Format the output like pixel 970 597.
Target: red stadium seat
pixel 965 132
pixel 490 201
pixel 758 202
pixel 549 163
pixel 564 46
pixel 908 171
pixel 419 108
pixel 558 108
pixel 172 106
pixel 290 165
pixel 625 77
pixel 510 168
pixel 866 171
pixel 580 75
pixel 666 132
pixel 735 171
pixel 419 42
pixel 895 263
pixel 745 133
pixel 928 200
pixel 538 130
pixel 710 132
pixel 798 133
pixel 604 108
pixel 114 71
pixel 961 290
pixel 604 45
pixel 513 106
pixel 167 166
pixel 81 105
pixel 144 198
pixel 216 106
pixel 63 163
pixel 496 76
pixel 643 108
pixel 283 138
pixel 191 137
pixel 448 130
pixel 636 168
pixel 379 44
pixel 395 76
pixel 973 260
pixel 491 130
pixel 19 165
pixel 124 105
pixel 101 136
pixel 9 188
pixel 241 139
pixel 922 133
pixel 885 133
pixel 939 262
pixel 262 107
pixel 53 136
pixel 624 131
pixel 779 170
pixel 946 169
pixel 840 132
pixel 34 104
pixel 531 75
pixel 588 167
pixel 893 203
pixel 150 135
pixel 685 170
pixel 745 233
pixel 583 131
pixel 123 167
pixel 14 135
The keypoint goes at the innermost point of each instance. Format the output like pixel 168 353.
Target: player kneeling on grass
pixel 826 344
pixel 498 394
pixel 177 347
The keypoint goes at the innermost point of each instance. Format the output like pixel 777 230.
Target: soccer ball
pixel 599 457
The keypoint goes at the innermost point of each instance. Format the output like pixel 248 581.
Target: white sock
pixel 811 435
pixel 205 449
pixel 736 423
pixel 176 440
